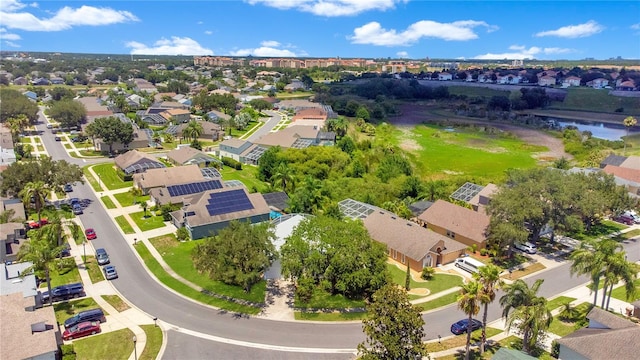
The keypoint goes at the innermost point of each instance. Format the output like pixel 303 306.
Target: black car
pixel 87 315
pixel 64 292
pixel 68 188
pixel 462 326
pixel 57 138
pixel 77 209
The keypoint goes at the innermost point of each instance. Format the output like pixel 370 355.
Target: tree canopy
pixel 68 113
pixel 53 173
pixel 15 104
pixel 111 130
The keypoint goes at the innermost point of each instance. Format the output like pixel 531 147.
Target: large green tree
pixel 68 113
pixel 394 328
pixel 339 253
pixel 526 311
pixel 238 255
pixel 469 301
pixel 15 104
pixel 35 193
pixel 42 252
pixel 53 173
pixel 111 130
pixel 192 131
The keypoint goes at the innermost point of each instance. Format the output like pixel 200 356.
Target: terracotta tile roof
pixel 624 173
pixel 632 162
pixel 462 221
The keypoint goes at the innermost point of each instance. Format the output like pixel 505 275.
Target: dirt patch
pixel 407 143
pixel 419 291
pixel 415 114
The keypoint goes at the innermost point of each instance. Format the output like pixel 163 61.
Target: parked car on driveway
pixel 625 219
pixel 64 292
pixel 88 315
pixel 462 326
pixel 68 188
pixel 527 247
pixel 34 224
pixel 82 329
pixel 110 272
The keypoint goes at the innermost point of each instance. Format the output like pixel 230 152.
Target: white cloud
pixel 208 32
pixel 372 33
pixel 200 23
pixel 4 35
pixel 574 31
pixel 63 19
pixel 270 43
pixel 174 46
pixel 520 52
pixel 12 44
pixel 264 51
pixel 330 8
pixel 402 54
pixel 635 26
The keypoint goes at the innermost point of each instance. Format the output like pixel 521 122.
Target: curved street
pixel 199 331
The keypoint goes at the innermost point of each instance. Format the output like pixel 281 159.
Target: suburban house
pixel 176 115
pixel 164 177
pixel 628 85
pixel 607 336
pixel 410 243
pixel 134 161
pixel 141 139
pixel 571 81
pixel 546 80
pixel 210 130
pixel 456 222
pixel 509 79
pixel 480 201
pixel 298 137
pixel 29 331
pixel 234 148
pixel 217 116
pixel 625 170
pixel 444 76
pixel 12 234
pixel 143 85
pixel 598 83
pixel 183 193
pixel 213 210
pixel 310 116
pixel 186 155
pixel 95 108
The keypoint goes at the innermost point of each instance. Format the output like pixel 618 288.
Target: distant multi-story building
pixel 217 61
pixel 394 66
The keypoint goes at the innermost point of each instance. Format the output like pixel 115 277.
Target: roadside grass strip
pixel 620 294
pixel 521 272
pixel 94 270
pixel 108 203
pixel 115 345
pixel 116 302
pixel 459 340
pixel 124 224
pixel 91 179
pixel 331 316
pixel 157 270
pixel 438 302
pixel 154 342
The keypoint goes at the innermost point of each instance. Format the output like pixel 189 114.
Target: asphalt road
pixel 182 314
pixel 274 119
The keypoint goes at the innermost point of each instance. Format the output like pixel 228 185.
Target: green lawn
pixel 324 300
pixel 68 146
pixel 157 270
pixel 126 198
pixel 94 270
pixel 564 327
pixel 124 224
pixel 108 203
pixel 438 283
pixel 597 100
pixel 477 154
pixel 330 316
pixel 91 179
pixel 147 223
pixel 438 302
pixel 67 309
pixel 63 272
pixel 115 345
pixel 109 177
pixel 116 302
pixel 620 294
pixel 248 175
pixel 154 342
pixel 178 256
pixel 597 231
pixel 476 91
pixel 559 301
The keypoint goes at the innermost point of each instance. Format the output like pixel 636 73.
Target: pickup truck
pixel 64 292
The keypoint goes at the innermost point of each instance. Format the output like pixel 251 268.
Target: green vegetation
pixel 157 270
pixel 438 283
pixel 107 174
pixel 294 95
pixel 124 224
pixel 108 203
pixel 126 198
pixel 154 342
pixel 604 228
pixel 94 270
pixel 115 345
pixel 476 91
pixel 620 293
pixel 91 179
pixel 521 272
pixel 67 309
pixel 116 302
pixel 68 146
pixel 178 256
pixel 576 320
pixel 559 301
pixel 147 223
pixel 459 340
pixel 440 301
pixel 324 300
pixel 248 175
pixel 330 316
pixel 597 100
pixel 62 272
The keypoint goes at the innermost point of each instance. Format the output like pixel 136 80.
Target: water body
pixel 600 130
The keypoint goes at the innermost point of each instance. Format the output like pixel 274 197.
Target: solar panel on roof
pixel 228 202
pixel 193 188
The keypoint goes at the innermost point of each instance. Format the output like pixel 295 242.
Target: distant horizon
pixel 567 30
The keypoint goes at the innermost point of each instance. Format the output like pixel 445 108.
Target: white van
pixel 468 264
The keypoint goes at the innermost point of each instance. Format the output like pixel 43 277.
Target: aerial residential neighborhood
pixel 434 187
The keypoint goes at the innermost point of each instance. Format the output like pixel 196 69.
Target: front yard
pixel 149 222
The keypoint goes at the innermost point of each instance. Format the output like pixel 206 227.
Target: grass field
pixel 62 272
pixel 147 223
pixel 116 302
pixel 115 345
pixel 620 294
pixel 67 309
pixel 438 302
pixel 157 270
pixel 597 100
pixel 124 224
pixel 476 91
pixel 109 177
pixel 108 203
pixel 565 327
pixel 248 175
pixel 154 342
pixel 178 257
pixel 559 301
pixel 126 198
pixel 94 270
pixel 477 154
pixel 438 283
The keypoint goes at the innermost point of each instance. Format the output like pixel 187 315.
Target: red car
pixel 82 329
pixel 34 224
pixel 90 234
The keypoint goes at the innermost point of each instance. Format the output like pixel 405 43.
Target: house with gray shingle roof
pixel 456 222
pixel 607 336
pixel 186 155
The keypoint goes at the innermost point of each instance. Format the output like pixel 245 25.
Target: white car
pixel 527 247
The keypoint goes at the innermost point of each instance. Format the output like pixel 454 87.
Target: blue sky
pixel 414 29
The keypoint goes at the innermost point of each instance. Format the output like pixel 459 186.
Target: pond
pixel 600 130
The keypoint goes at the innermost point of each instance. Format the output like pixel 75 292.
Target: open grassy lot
pixel 94 270
pixel 597 100
pixel 116 302
pixel 63 272
pixel 178 257
pixel 124 224
pixel 438 283
pixel 460 340
pixel 109 177
pixel 115 345
pixel 154 342
pixel 149 222
pixel 477 153
pixel 564 326
pixel 126 198
pixel 108 203
pixel 187 291
pixel 67 309
pixel 248 175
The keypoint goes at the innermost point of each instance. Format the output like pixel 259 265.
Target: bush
pixel 484 252
pixel 182 234
pixel 67 352
pixel 427 273
pixel 304 289
pixel 231 163
pixel 473 248
pixel 555 349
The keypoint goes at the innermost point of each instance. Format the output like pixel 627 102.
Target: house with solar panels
pixel 134 161
pixel 163 177
pixel 213 210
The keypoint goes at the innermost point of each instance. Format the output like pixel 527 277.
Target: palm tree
pixel 617 269
pixel 469 302
pixel 144 205
pixel 628 122
pixel 489 279
pixel 41 252
pixel 530 314
pixel 38 191
pixel 193 130
pixel 338 125
pixel 592 258
pixel 284 176
pixel 135 192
